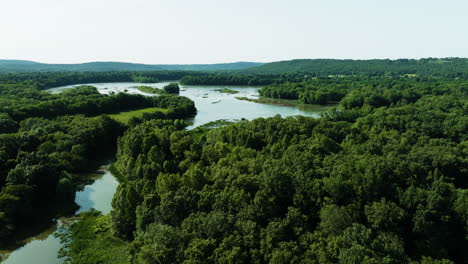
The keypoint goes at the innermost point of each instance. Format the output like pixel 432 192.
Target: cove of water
pixel 44 248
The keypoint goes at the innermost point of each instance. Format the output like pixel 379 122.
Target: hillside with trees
pixel 444 67
pixel 353 91
pixel 13 66
pixel 304 70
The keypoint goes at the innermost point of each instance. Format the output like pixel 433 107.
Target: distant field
pixel 125 116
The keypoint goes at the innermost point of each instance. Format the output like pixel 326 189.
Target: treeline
pixel 55 79
pixel 301 70
pixel 46 139
pixel 368 183
pixel 441 67
pixel 241 79
pixel 379 91
pixel 19 103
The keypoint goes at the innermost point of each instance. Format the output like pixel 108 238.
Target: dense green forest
pixel 46 139
pixel 381 178
pixel 366 183
pixel 378 91
pixel 241 79
pixel 303 70
pixel 55 79
pixel 443 67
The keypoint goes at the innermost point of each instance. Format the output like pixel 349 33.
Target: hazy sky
pixel 209 31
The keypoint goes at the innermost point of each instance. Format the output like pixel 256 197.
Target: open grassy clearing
pixel 226 90
pixel 124 117
pixel 150 90
pixel 90 240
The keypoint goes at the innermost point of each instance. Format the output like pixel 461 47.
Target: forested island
pixel 380 178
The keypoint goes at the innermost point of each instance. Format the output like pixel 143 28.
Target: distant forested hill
pixel 30 66
pixel 429 66
pixel 446 67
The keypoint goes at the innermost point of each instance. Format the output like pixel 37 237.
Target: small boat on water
pixel 215 102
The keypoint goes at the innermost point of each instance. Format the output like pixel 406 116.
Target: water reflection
pixel 44 248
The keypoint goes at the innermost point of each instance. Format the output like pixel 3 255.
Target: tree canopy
pixel 373 181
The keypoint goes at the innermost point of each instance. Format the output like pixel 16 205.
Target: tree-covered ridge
pixel 444 67
pixel 30 66
pixel 386 186
pixel 302 70
pixel 379 91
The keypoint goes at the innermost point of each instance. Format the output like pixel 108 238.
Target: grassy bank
pixel 226 90
pixel 286 102
pixel 124 117
pixel 89 240
pixel 150 90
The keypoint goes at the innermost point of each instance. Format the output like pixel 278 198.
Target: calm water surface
pixel 211 105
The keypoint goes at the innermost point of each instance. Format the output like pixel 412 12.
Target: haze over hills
pixel 438 66
pixel 31 66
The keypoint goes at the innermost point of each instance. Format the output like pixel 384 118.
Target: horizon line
pixel 232 62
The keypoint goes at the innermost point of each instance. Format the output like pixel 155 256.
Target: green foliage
pixel 124 117
pixel 7 124
pixel 357 91
pixel 226 90
pixel 385 186
pixel 91 241
pixel 172 88
pixel 144 79
pixel 151 90
pixel 47 139
pixel 39 160
pixel 446 67
pixel 240 79
pixel 44 80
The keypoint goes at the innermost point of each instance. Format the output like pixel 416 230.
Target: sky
pixel 215 31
